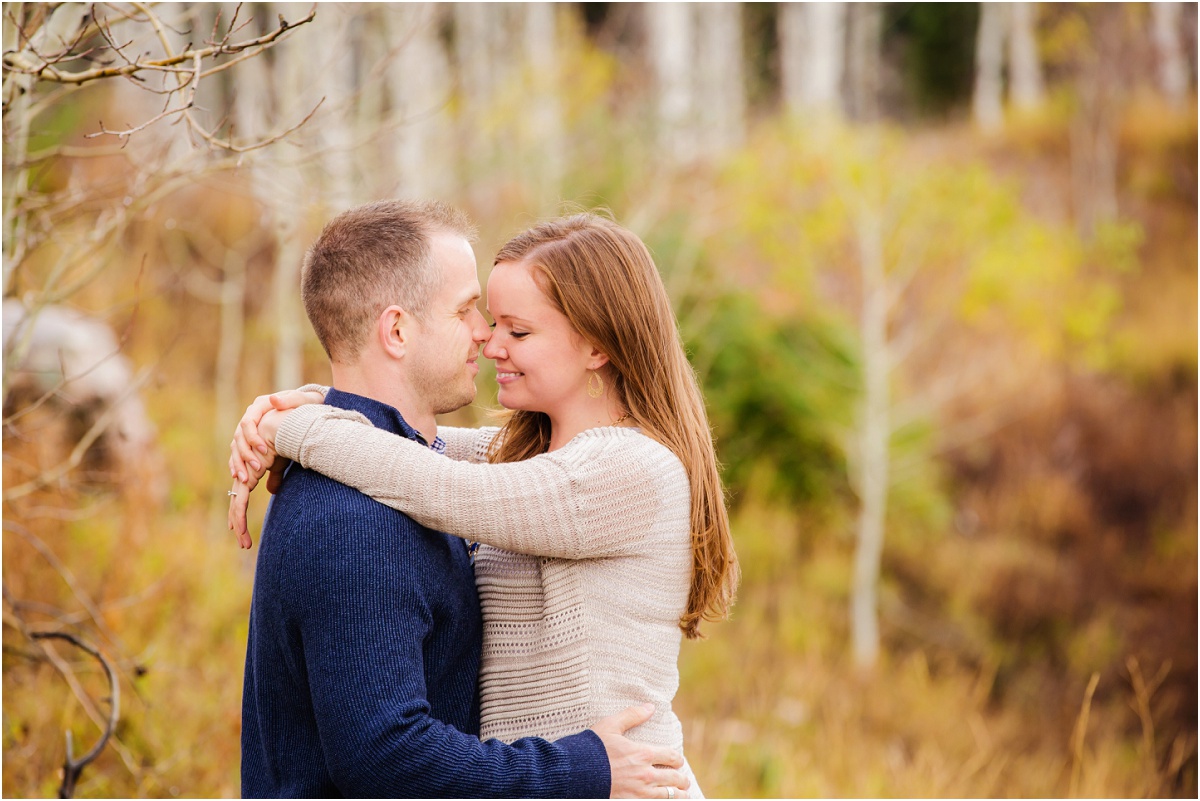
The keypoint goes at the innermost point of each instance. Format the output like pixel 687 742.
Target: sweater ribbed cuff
pixel 324 390
pixel 294 428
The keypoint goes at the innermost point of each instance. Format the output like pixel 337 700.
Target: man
pixel 365 629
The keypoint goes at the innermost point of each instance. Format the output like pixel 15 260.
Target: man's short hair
pixel 369 258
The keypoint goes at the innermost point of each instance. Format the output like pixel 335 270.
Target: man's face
pixel 442 357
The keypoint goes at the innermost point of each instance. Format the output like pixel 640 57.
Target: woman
pixel 598 503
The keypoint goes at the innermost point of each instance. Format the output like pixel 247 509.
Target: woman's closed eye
pixel 513 334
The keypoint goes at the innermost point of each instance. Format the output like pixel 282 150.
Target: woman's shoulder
pixel 629 449
pixel 622 480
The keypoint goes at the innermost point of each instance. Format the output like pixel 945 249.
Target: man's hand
pixel 639 770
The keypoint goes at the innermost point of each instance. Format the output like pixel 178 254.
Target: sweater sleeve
pixel 363 656
pixel 467 444
pixel 594 498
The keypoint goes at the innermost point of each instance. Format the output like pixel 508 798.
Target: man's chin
pixel 454 404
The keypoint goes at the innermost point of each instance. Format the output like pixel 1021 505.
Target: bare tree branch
pixel 194 82
pixel 156 23
pixel 20 63
pixel 66 152
pixel 50 655
pixel 232 148
pixel 73 767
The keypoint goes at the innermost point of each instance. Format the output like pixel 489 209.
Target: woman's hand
pixel 239 496
pixel 249 451
pixel 252 453
pixel 239 502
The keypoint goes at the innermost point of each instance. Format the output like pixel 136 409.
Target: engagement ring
pixel 670 792
pixel 232 493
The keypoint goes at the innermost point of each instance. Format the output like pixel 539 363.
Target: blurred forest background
pixel 935 265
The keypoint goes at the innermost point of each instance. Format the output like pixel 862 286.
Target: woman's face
pixel 541 360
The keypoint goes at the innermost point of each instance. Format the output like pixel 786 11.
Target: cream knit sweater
pixel 583 572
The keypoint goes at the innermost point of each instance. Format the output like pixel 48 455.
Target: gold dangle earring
pixel 598 390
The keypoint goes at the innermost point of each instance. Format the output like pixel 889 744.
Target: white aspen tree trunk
pixel 292 79
pixel 987 103
pixel 17 92
pixel 336 56
pixel 813 55
pixel 470 52
pixel 184 24
pixel 251 106
pixel 863 61
pixel 873 437
pixel 826 57
pixel 471 21
pixel 252 102
pixel 476 27
pixel 543 127
pixel 288 312
pixel 1026 87
pixel 1094 127
pixel 229 346
pixel 791 32
pixel 228 364
pixel 374 44
pixel 418 86
pixel 670 30
pixel 1094 165
pixel 720 77
pixel 1166 22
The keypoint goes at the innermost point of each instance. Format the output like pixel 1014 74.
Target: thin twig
pixel 13 61
pixel 125 134
pixel 232 148
pixel 67 152
pixel 1080 735
pixel 194 81
pixel 1143 695
pixel 156 23
pixel 64 669
pixel 72 767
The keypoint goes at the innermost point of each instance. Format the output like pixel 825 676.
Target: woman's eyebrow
pixel 508 317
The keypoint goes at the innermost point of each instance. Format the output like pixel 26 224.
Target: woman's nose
pixel 492 349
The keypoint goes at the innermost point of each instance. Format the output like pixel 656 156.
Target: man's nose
pixel 479 328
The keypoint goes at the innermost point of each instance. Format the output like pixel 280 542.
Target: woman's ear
pixel 598 359
pixel 393 329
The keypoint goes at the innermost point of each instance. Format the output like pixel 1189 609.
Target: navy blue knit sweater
pixel 363 657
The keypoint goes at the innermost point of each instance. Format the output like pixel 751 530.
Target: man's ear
pixel 394 328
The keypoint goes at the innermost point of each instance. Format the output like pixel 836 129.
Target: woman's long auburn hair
pixel 602 277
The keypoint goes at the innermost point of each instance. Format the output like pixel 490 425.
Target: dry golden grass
pixel 771 708
pixel 770 704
